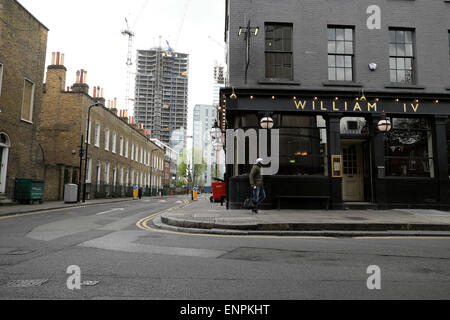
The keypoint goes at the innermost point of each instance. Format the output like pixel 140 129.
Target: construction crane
pixel 130 34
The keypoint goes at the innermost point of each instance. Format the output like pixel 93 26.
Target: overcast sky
pixel 88 32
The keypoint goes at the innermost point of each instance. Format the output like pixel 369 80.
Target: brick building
pixel 120 154
pixel 23 42
pixel 326 77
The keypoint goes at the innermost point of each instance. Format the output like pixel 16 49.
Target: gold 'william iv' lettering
pixel 371 107
pixel 300 104
pixel 357 107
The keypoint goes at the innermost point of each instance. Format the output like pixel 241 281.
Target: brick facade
pixel 118 159
pixel 23 42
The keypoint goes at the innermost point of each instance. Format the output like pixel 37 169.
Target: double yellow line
pixel 143 223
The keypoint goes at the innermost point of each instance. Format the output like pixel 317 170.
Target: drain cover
pixel 26 283
pixel 90 283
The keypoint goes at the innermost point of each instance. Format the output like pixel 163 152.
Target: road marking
pixel 109 211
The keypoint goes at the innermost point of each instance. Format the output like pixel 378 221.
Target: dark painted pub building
pixel 362 115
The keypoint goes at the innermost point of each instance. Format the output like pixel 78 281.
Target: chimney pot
pixel 53 58
pixel 62 59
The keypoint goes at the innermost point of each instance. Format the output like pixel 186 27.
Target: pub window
pixel 303 145
pixel 401 55
pixel 28 101
pixel 340 54
pixel 409 148
pixel 278 51
pixel 354 126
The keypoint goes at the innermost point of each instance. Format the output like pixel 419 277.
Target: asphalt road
pixel 130 263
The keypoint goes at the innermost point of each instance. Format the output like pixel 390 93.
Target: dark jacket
pixel 256 177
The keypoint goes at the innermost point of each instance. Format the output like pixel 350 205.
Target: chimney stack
pixel 80 83
pixel 56 73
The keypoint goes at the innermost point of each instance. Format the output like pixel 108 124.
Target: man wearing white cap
pixel 256 183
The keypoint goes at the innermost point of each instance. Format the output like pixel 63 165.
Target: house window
pixel 132 151
pixel 107 173
pixel 114 176
pixel 28 101
pixel 1 77
pixel 114 142
pixel 97 135
pixel 126 149
pixel 409 148
pixel 121 146
pixel 107 139
pixel 278 51
pixel 401 56
pixel 340 54
pixel 136 156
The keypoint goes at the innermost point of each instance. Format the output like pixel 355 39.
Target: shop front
pixel 374 151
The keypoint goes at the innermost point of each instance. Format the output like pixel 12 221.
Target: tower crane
pixel 130 34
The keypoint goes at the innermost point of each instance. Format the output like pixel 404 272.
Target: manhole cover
pixel 19 252
pixel 26 283
pixel 90 283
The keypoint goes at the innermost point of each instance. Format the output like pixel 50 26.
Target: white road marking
pixel 113 210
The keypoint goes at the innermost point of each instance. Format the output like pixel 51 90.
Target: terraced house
pixel 359 92
pixel 120 154
pixel 23 43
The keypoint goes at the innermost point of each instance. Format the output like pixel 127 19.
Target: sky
pixel 88 32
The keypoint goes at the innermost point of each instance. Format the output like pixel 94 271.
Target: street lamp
pixel 216 135
pixel 97 104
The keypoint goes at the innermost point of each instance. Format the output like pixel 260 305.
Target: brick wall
pixel 64 120
pixel 23 42
pixel 430 19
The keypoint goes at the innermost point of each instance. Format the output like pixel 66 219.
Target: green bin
pixel 28 190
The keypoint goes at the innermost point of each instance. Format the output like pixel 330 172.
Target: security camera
pixel 373 66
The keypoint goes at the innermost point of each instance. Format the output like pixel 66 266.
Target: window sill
pixel 342 84
pixel 27 121
pixel 402 86
pixel 280 82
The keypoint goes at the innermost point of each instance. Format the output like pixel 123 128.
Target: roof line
pixel 25 9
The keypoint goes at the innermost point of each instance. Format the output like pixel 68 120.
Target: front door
pixel 352 178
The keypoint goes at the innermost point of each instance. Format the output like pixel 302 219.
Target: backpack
pixel 249 204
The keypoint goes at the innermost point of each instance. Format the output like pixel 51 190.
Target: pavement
pixel 203 217
pixel 17 209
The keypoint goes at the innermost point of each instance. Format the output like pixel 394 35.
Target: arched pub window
pixel 409 148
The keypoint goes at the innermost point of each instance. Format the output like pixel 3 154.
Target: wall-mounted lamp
pixel 267 123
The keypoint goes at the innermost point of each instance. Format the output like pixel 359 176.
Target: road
pixel 130 263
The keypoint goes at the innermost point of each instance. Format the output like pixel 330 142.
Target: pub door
pixel 353 171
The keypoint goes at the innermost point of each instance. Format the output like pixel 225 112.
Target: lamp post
pixel 151 171
pixel 248 32
pixel 87 145
pixel 216 134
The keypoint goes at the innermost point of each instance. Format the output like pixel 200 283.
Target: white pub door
pixel 352 178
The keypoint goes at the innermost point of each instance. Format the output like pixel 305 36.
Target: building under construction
pixel 161 92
